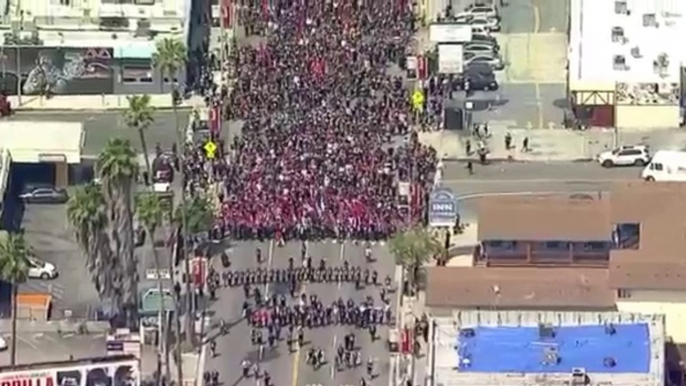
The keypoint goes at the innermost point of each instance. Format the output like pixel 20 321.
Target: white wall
pixel 646 117
pixel 672 304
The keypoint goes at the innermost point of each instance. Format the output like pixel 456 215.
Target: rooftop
pixel 519 288
pixel 625 41
pixel 28 141
pixel 660 260
pixel 544 218
pixel 512 348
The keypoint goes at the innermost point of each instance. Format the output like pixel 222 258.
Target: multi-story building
pixel 94 46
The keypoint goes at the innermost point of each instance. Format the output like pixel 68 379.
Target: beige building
pixel 624 70
pixel 546 253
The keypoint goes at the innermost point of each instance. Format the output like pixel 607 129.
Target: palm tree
pixel 118 169
pixel 14 268
pixel 412 249
pixel 86 212
pixel 150 212
pixel 192 216
pixel 138 116
pixel 168 59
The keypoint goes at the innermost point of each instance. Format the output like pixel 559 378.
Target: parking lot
pixel 533 46
pixel 51 238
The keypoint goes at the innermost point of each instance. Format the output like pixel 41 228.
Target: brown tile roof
pixel 472 287
pixel 544 218
pixel 660 260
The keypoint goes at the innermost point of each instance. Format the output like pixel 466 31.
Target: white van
pixel 666 165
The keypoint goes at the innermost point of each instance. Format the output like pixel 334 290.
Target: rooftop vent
pixel 579 376
pixel 621 7
pixel 649 20
pixel 617 34
pixel 636 52
pixel 619 63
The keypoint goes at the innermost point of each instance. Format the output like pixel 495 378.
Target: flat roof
pixel 648 28
pixel 544 218
pixel 519 288
pixel 34 141
pixel 507 348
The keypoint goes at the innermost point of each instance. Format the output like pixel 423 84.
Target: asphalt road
pixel 530 178
pixel 287 368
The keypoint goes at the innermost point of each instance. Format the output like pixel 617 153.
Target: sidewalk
pixel 551 144
pixel 95 102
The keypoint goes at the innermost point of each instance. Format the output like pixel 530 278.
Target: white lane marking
pixel 333 350
pixel 341 257
pixel 269 264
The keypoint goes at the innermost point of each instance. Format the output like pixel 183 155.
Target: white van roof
pixel 669 156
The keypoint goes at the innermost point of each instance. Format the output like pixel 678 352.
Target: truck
pixel 666 165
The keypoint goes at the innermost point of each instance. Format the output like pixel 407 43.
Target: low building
pixel 624 250
pixel 541 231
pixel 650 276
pixel 624 70
pixel 546 348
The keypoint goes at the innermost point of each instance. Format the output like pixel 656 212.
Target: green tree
pixel 151 213
pixel 86 212
pixel 14 268
pixel 192 216
pixel 412 249
pixel 118 169
pixel 139 116
pixel 169 57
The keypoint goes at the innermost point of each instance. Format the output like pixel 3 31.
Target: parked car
pixel 39 269
pixel 480 10
pixel 483 68
pixel 625 156
pixel 478 81
pixel 489 24
pixel 44 195
pixel 479 48
pixel 485 38
pixel 494 61
pixel 3 344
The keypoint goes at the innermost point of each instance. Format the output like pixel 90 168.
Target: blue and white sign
pixel 442 208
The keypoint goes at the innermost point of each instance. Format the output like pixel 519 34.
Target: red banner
pixel 199 271
pixel 227 14
pixel 215 122
pixel 421 67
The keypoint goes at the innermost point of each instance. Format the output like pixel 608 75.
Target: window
pixel 656 166
pixel 136 73
pixel 630 152
pixel 623 294
pixel 144 2
pixel 561 245
pixel 595 246
pixel 65 2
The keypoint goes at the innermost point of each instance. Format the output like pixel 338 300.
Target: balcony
pixel 544 253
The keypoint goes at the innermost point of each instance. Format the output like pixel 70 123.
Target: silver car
pixel 479 48
pixel 471 58
pixel 480 10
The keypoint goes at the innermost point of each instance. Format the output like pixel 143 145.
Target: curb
pixel 513 160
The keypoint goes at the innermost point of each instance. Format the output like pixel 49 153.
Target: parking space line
pixel 27 342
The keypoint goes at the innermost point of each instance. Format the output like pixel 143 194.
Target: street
pixel 292 368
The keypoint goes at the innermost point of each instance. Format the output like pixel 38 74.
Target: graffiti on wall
pixel 56 70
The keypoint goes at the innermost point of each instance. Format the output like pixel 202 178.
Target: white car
pixel 482 23
pixel 39 269
pixel 494 61
pixel 3 344
pixel 480 10
pixel 625 156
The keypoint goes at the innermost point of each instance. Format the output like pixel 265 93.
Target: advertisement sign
pixel 102 371
pixel 57 70
pixel 442 208
pixel 450 33
pixel 450 58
